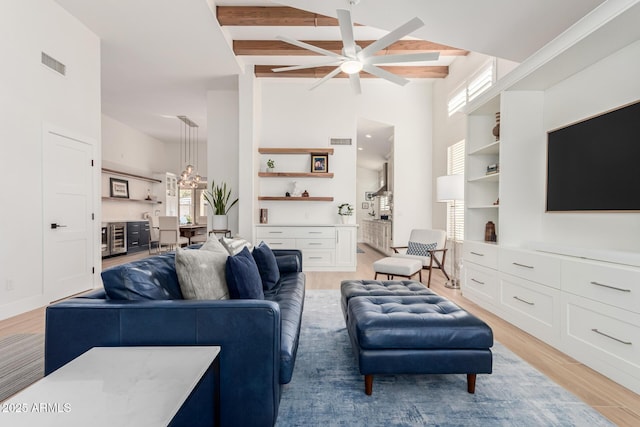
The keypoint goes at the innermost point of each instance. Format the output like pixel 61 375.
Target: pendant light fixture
pixel 189 177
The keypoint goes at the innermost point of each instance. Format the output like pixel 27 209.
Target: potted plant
pixel 218 199
pixel 345 211
pixel 270 165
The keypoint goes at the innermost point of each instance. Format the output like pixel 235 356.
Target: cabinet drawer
pixel 275 243
pixel 317 258
pixel 531 266
pixel 531 306
pixel 315 243
pixel 601 334
pixel 316 232
pixel 276 232
pixel 617 286
pixel 480 253
pixel 480 281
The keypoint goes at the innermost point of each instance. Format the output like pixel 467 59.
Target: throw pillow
pixel 243 277
pixel 235 245
pixel 267 265
pixel 213 244
pixel 420 249
pixel 201 274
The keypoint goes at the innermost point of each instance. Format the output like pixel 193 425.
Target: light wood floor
pixel 615 402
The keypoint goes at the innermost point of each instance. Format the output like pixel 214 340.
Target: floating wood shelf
pixel 296 174
pixel 130 175
pixel 123 199
pixel 268 150
pixel 297 199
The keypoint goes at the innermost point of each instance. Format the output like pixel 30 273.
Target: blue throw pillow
pixel 421 249
pixel 243 277
pixel 152 278
pixel 267 265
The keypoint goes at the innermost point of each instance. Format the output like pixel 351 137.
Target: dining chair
pixel 154 234
pixel 169 232
pixel 428 246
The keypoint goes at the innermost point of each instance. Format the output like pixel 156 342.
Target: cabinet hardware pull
pixel 314 243
pixel 477 281
pixel 275 243
pixel 315 232
pixel 476 253
pixel 613 338
pixel 610 287
pixel 315 257
pixel 275 232
pixel 522 265
pixel 524 301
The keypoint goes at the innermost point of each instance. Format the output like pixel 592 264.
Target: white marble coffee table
pixel 112 386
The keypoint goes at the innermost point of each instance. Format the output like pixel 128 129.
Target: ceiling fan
pixel 355 59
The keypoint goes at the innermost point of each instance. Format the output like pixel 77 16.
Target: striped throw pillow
pixel 420 249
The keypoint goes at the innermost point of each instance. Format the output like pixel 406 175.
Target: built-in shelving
pixel 269 150
pixel 296 199
pixel 124 199
pixel 494 177
pixel 129 175
pixel 295 174
pixel 492 148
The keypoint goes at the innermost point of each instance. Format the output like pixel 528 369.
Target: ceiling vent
pixel 340 141
pixel 54 64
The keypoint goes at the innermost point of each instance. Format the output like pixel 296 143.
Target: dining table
pixel 190 230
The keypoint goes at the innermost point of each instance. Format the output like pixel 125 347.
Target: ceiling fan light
pixel 351 66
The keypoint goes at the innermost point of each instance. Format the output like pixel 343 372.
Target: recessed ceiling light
pixel 360 148
pixel 367 135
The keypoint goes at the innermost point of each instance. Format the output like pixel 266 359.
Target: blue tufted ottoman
pixel 359 288
pixel 424 334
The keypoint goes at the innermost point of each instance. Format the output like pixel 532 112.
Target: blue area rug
pixel 328 390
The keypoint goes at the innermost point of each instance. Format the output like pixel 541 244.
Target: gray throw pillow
pixel 213 244
pixel 236 244
pixel 201 274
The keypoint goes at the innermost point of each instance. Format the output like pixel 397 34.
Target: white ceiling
pixel 159 58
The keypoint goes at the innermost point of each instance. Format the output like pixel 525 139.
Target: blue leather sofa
pixel 258 338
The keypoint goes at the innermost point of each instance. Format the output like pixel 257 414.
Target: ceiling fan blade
pixel 392 37
pixel 354 79
pixel 384 74
pixel 325 78
pixel 346 29
pixel 304 67
pixel 310 47
pixel 411 57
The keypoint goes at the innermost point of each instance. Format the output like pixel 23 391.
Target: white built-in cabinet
pixel 324 247
pixel 167 192
pixel 583 301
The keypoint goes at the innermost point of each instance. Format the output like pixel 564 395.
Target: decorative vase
pixel 344 218
pixel 496 128
pixel 220 222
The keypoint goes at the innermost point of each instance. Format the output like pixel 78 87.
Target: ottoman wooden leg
pixel 471 383
pixel 368 384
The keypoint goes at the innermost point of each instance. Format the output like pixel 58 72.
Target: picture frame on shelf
pixel 319 163
pixel 369 196
pixel 119 188
pixel 365 205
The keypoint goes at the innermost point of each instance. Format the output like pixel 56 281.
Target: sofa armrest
pixel 287 266
pixel 248 332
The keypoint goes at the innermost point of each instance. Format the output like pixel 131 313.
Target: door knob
pixel 54 226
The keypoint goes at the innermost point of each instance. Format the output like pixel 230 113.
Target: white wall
pixel 583 95
pixel 33 94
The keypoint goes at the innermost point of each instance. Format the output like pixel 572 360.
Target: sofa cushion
pixel 152 278
pixel 235 245
pixel 201 273
pixel 288 263
pixel 243 277
pixel 267 265
pixel 212 244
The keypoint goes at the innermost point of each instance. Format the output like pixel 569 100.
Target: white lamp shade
pixel 450 188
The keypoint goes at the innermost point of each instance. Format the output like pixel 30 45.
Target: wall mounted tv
pixel 594 165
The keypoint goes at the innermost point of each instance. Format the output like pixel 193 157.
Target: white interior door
pixel 68 209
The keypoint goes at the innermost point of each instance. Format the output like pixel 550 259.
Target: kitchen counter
pixel 377 234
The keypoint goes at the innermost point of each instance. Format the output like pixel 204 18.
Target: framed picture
pixel 365 205
pixel 119 188
pixel 319 163
pixel 369 195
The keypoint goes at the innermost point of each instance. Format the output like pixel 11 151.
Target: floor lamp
pixel 450 188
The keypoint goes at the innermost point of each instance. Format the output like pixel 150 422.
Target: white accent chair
pixel 435 256
pixel 201 237
pixel 169 232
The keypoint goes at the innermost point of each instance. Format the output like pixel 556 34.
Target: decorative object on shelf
pixel 297 191
pixel 490 232
pixel 493 168
pixel 365 205
pixel 119 188
pixel 189 178
pixel 218 200
pixel 496 128
pixel 271 165
pixel 264 216
pixel 450 188
pixel 319 163
pixel 287 194
pixel 345 211
pixel 497 202
pixel 305 193
pixel 148 195
pixel 369 195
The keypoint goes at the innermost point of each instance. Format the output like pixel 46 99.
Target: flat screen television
pixel 594 165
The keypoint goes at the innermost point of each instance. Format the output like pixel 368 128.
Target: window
pixel 455 165
pixel 192 205
pixel 479 82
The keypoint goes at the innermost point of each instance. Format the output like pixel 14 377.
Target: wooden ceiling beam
pixel 271 16
pixel 437 72
pixel 277 47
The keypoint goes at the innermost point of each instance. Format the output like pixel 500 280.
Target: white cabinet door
pixel 346 247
